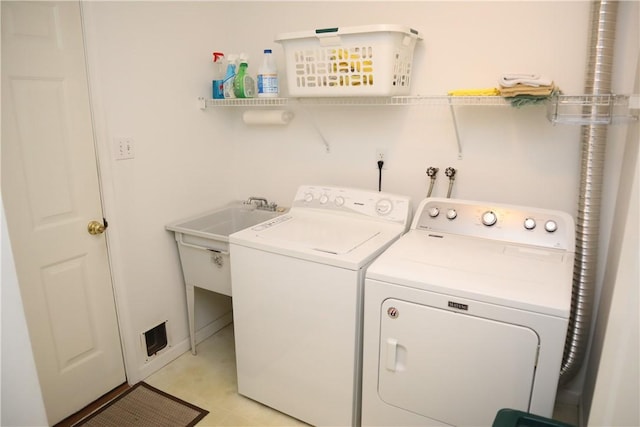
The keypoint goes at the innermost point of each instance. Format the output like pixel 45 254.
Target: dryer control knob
pixel 384 206
pixel 529 223
pixel 452 214
pixel 308 197
pixel 434 212
pixel 550 226
pixel 489 218
pixel 339 201
pixel 324 199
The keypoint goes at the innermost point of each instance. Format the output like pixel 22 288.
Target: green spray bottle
pixel 243 86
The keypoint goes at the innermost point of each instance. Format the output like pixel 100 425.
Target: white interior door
pixel 50 190
pixel 451 367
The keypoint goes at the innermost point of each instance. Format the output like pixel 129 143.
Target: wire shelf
pixel 427 100
pixel 592 109
pixel 242 102
pixel 564 109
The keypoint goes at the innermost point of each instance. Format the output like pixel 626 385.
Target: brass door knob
pixel 95 227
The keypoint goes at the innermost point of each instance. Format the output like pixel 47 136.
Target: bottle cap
pixel 267 51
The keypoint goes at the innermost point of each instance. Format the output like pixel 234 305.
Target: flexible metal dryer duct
pixel 594 138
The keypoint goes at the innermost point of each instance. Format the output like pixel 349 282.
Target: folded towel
pixel 474 92
pixel 522 100
pixel 510 80
pixel 527 90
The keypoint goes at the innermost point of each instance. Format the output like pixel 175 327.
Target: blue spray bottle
pixel 230 76
pixel 219 70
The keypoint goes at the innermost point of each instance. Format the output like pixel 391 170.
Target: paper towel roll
pixel 267 117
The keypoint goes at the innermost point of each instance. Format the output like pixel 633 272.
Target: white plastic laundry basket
pixel 373 60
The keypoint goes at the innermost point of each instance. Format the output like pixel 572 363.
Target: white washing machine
pixel 297 299
pixel 467 314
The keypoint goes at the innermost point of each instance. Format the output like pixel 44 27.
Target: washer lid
pixel 333 237
pixel 338 240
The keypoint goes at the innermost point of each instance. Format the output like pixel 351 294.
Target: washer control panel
pixel 373 204
pixel 514 224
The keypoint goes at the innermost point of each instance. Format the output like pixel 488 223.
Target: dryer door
pixel 452 367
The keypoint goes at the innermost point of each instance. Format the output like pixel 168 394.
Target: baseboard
pixel 582 415
pixel 213 327
pixel 160 360
pixel 175 350
pixel 568 396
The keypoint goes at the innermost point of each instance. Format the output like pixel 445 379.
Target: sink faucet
pixel 262 203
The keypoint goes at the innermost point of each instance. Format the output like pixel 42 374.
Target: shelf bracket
pixel 327 148
pixel 455 128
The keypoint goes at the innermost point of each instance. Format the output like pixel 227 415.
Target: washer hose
pixel 431 173
pixel 451 173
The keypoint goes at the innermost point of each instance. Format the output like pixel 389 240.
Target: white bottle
pixel 268 77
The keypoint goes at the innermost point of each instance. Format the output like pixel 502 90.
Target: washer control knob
pixel 324 199
pixel 550 226
pixel 489 218
pixel 308 197
pixel 339 201
pixel 452 214
pixel 529 223
pixel 384 206
pixel 434 212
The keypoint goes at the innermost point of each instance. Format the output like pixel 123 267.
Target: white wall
pixel 143 59
pixel 21 401
pixel 466 44
pixel 612 389
pixel 612 385
pixel 619 149
pixel 149 61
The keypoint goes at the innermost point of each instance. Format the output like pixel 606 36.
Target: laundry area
pixel 430 215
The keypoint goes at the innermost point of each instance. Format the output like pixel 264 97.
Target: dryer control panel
pixel 508 223
pixel 351 201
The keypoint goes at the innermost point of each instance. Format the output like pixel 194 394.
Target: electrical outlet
pixel 381 154
pixel 123 148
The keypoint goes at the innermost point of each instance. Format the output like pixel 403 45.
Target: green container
pixel 243 85
pixel 514 418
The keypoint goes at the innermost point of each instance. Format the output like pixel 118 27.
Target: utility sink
pixel 203 245
pixel 213 227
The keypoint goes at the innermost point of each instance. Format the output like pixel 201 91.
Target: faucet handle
pixel 432 172
pixel 450 172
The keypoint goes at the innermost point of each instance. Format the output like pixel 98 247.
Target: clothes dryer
pixel 466 314
pixel 297 299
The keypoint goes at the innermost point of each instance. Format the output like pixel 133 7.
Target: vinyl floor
pixel 208 380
